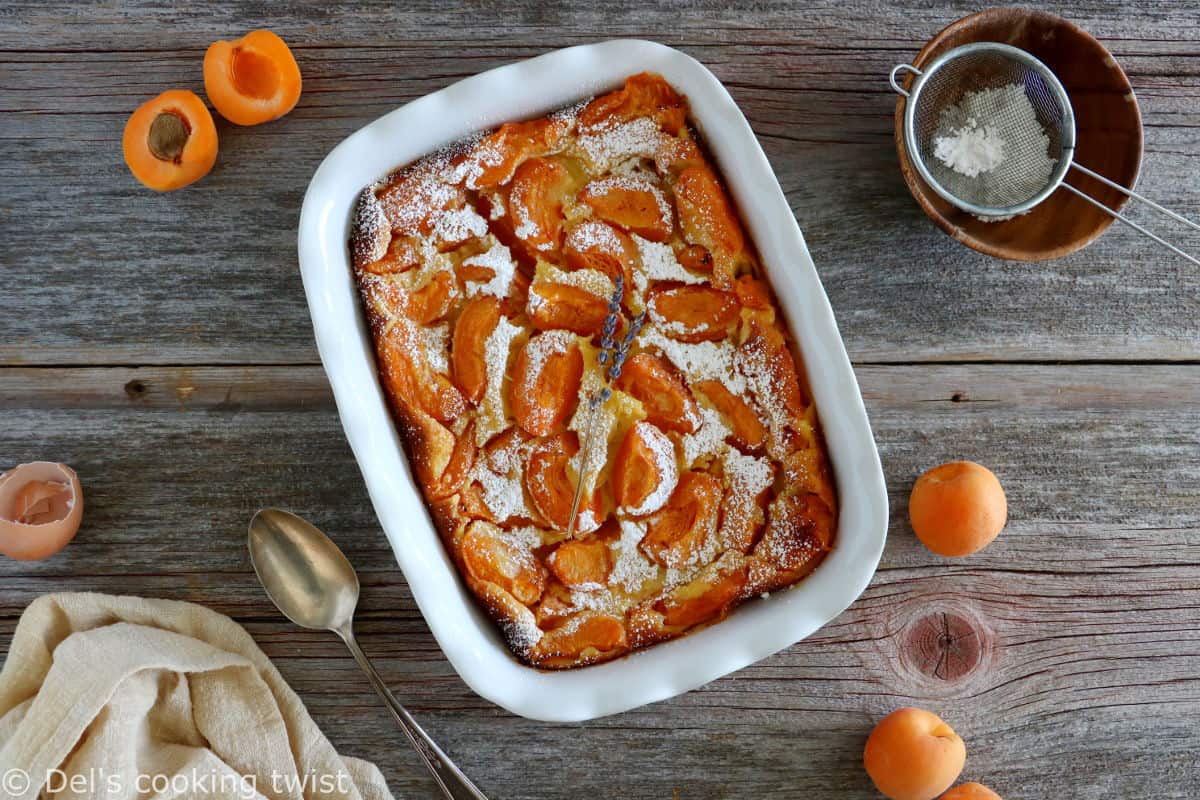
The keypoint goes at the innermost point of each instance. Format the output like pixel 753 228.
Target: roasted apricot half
pixel 581 564
pixel 702 599
pixel 679 529
pixel 498 154
pixel 581 634
pixel 535 203
pixel 645 470
pixel 642 95
pixel 468 346
pixel 748 432
pixel 489 557
pixel 597 245
pixel 557 305
pixel 170 141
pixel 695 313
pixel 551 484
pixel 634 204
pixel 668 401
pixel 708 219
pixel 433 300
pixel 254 79
pixel 545 386
pixel 752 293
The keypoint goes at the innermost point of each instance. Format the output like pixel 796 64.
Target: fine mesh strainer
pixel 933 107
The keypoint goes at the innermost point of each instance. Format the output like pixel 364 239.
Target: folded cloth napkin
pixel 123 697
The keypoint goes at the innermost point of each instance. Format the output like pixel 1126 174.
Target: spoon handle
pixel 453 783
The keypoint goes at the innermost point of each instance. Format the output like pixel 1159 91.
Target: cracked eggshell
pixel 41 506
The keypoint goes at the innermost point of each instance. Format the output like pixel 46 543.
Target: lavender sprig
pixel 612 355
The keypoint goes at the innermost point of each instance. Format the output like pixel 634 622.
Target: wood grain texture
pixel 162 347
pixel 810 77
pixel 1072 669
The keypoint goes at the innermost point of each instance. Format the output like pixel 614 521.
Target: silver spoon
pixel 310 580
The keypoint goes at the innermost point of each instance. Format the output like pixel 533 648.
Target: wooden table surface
pixel 161 345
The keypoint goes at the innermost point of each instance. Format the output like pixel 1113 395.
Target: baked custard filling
pixel 595 387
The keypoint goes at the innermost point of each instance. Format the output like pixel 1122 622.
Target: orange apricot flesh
pixel 170 141
pixel 252 80
pixel 971 791
pixel 957 508
pixel 913 755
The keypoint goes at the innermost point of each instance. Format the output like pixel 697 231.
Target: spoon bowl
pixel 305 574
pixel 312 582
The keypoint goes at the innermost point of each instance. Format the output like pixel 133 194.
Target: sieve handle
pixel 1135 195
pixel 1121 218
pixel 896 70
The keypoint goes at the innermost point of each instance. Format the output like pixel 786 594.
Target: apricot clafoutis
pixel 594 504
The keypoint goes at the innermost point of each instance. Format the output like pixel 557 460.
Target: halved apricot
pixel 702 599
pixel 597 245
pixel 577 636
pixel 799 531
pixel 695 258
pixel 645 470
pixel 409 380
pixel 462 460
pixel 765 354
pixel 708 219
pixel 695 313
pixel 490 557
pixel 557 305
pixel 634 204
pixel 497 155
pixel 254 79
pixel 432 301
pixel 170 141
pixel 545 385
pixel 668 401
pixel 551 484
pixel 581 564
pixel 678 530
pixel 402 254
pixel 468 346
pixel 748 431
pixel 645 94
pixel 752 293
pixel 535 203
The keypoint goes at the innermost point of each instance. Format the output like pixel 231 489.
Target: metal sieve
pixel 932 107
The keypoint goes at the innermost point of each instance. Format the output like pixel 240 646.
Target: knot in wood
pixel 943 645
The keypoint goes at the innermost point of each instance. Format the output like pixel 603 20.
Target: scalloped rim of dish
pixel 469 638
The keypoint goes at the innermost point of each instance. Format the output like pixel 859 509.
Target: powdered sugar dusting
pixel 499 260
pixel 459 225
pixel 605 149
pixel 659 263
pixel 700 361
pixel 435 341
pixel 497 349
pixel 707 440
pixel 631 570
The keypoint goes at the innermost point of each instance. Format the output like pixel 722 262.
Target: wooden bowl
pixel 1108 128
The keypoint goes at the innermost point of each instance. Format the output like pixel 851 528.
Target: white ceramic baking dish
pixel 467 636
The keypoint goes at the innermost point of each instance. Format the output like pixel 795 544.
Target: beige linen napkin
pixel 123 697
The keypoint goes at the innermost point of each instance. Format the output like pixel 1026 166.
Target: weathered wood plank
pixel 164 270
pixel 1084 649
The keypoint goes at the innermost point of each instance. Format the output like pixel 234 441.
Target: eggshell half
pixel 41 506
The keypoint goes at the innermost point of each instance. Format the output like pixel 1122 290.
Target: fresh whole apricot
pixel 913 755
pixel 971 791
pixel 957 508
